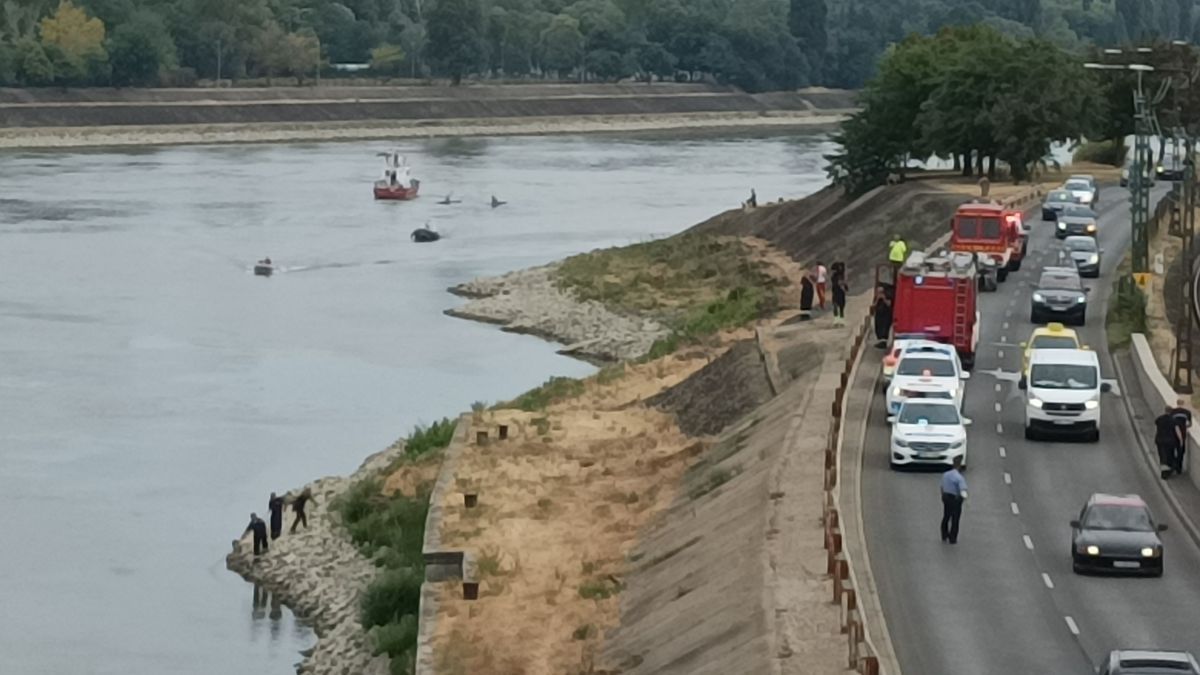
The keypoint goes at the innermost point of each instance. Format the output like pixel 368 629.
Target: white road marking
pixel 998 407
pixel 1005 325
pixel 1000 353
pixel 1002 454
pixel 1004 338
pixel 1007 478
pixel 1028 542
pixel 997 387
pixel 1046 580
pixel 1071 625
pixel 999 428
pixel 1015 509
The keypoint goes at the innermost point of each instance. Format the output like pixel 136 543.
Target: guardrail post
pixel 869 665
pixel 855 633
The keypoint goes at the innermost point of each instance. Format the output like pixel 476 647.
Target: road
pixel 1004 599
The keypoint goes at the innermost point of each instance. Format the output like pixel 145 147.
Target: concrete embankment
pixel 43 118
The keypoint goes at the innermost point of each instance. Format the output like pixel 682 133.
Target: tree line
pixel 754 44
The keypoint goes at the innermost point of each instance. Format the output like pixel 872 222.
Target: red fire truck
pixel 936 296
pixel 993 233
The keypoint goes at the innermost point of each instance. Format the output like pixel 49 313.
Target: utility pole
pixel 218 63
pixel 1182 377
pixel 1139 185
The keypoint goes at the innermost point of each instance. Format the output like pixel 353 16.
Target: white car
pixel 1062 393
pixel 1082 190
pixel 928 431
pixel 924 365
pixel 901 343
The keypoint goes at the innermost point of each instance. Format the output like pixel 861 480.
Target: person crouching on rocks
pixel 259 528
pixel 298 505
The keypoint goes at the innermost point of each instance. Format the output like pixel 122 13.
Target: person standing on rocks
pixel 822 274
pixel 259 528
pixel 275 505
pixel 298 505
pixel 806 296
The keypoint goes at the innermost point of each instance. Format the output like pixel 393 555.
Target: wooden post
pixel 503 432
pixel 481 437
pixel 470 590
pixel 470 500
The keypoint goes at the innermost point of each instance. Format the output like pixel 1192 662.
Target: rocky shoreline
pixel 529 302
pixel 319 574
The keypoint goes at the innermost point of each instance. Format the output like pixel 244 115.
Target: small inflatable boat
pixel 423 235
pixel 264 268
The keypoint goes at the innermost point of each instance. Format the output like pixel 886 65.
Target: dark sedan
pixel 1084 252
pixel 1148 662
pixel 1059 294
pixel 1074 220
pixel 1055 201
pixel 1115 533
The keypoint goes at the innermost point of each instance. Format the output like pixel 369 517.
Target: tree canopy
pixel 970 93
pixel 754 44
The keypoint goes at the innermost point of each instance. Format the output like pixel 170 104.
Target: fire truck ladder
pixel 961 318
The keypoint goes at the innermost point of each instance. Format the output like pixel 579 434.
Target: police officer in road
pixel 954 493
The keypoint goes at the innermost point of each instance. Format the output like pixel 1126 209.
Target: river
pixel 153 391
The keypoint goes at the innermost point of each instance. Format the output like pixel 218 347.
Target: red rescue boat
pixel 397 182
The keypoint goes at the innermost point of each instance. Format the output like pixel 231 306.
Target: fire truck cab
pixel 994 235
pixel 936 296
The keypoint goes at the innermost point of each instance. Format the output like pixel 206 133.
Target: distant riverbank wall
pixel 58 118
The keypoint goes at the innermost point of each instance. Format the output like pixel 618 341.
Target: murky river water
pixel 153 391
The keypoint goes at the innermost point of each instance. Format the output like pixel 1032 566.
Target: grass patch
pixel 599 589
pixel 715 479
pixel 390 530
pixel 610 374
pixel 584 632
pixel 1126 313
pixel 551 391
pixel 423 439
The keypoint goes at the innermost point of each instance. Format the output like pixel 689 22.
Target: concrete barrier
pixel 1159 394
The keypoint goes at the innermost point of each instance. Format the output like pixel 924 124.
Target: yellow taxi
pixel 1051 336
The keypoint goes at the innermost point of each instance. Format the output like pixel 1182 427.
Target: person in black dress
pixel 882 309
pixel 275 506
pixel 807 289
pixel 839 288
pixel 1167 438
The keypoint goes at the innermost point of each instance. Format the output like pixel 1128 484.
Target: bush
pixel 1126 314
pixel 393 596
pixel 1101 152
pixel 432 437
pixel 551 391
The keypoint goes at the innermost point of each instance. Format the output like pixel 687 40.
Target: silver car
pixel 1075 219
pixel 1055 202
pixel 1083 190
pixel 1085 253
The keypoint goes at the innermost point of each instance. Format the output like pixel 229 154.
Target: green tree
pixel 387 59
pixel 562 44
pixel 33 65
pixel 74 43
pixel 456 43
pixel 140 50
pixel 808 22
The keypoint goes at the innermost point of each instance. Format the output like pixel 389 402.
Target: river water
pixel 153 391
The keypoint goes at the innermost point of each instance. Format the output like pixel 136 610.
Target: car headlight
pixel 1062 225
pixel 1081 299
pixel 1091 405
pixel 1091 228
pixel 900 442
pixel 1148 552
pixel 1035 402
pixel 1093 550
pixel 896 392
pixel 1085 198
pixel 1038 297
pixel 956 445
pixel 1094 259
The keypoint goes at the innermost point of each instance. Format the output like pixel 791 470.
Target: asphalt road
pixel 1004 599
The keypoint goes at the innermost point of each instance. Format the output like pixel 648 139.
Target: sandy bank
pixel 528 301
pixel 191 134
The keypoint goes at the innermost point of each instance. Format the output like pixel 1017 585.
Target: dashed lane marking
pixel 1046 580
pixel 1015 509
pixel 998 407
pixel 1071 625
pixel 1002 453
pixel 1005 325
pixel 1007 478
pixel 1028 542
pixel 999 428
pixel 1004 338
pixel 997 387
pixel 1000 353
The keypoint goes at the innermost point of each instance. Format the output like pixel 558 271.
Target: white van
pixel 1062 393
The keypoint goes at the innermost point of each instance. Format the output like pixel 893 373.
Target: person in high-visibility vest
pixel 897 252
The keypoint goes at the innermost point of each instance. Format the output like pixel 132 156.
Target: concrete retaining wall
pixel 1159 394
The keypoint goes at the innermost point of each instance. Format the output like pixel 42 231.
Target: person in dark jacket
pixel 839 288
pixel 1183 420
pixel 275 505
pixel 259 528
pixel 882 309
pixel 298 505
pixel 807 289
pixel 1167 438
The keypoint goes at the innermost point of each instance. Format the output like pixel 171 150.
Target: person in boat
pixel 497 202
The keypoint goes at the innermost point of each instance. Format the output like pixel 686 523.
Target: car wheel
pixel 1093 436
pixel 1030 434
pixel 893 466
pixel 1082 318
pixel 1034 317
pixel 1075 566
pixel 1001 275
pixel 1016 264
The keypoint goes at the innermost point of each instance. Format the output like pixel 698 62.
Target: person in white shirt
pixel 822 283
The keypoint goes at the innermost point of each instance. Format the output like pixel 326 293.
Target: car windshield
pixel 1053 342
pixel 1117 517
pixel 917 365
pixel 1062 376
pixel 1077 185
pixel 1055 281
pixel 928 413
pixel 1078 211
pixel 1060 196
pixel 1086 244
